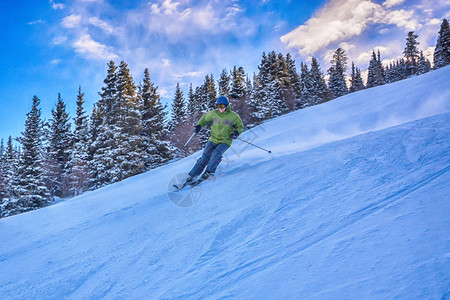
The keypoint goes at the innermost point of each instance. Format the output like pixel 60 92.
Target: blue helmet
pixel 222 100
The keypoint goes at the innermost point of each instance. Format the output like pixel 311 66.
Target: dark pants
pixel 211 157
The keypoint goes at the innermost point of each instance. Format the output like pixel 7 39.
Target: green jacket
pixel 222 125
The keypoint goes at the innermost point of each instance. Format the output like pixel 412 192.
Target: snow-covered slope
pixel 353 203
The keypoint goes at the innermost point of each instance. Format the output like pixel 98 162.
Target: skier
pixel 226 125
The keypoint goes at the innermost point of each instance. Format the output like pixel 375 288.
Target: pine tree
pixel 128 154
pixel 3 179
pixel 319 91
pixel 59 149
pixel 77 167
pixel 180 126
pixel 224 83
pixel 178 108
pixel 274 87
pixel 239 93
pixel 29 187
pixel 294 77
pixel 194 105
pixel 261 101
pixel 356 82
pixel 337 84
pixel 8 169
pixel 411 52
pixel 307 87
pixel 287 93
pixel 442 50
pixel 156 150
pixel 238 86
pixel 105 140
pixel 209 94
pixel 423 64
pixel 376 73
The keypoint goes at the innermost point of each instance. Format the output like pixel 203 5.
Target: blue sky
pixel 55 46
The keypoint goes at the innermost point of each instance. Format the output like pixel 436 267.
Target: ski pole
pixel 254 145
pixel 189 140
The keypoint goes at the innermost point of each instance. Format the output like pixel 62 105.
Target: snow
pixel 351 204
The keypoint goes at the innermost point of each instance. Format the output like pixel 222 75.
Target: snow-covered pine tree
pixel 178 112
pixel 77 166
pixel 287 94
pixel 337 84
pixel 318 91
pixel 29 189
pixel 423 64
pixel 260 101
pixel 253 104
pixel 224 83
pixel 9 163
pixel 356 82
pixel 442 50
pixel 157 150
pixel 128 154
pixel 58 150
pixel 204 98
pixel 193 105
pixel 104 131
pixel 3 180
pixel 239 94
pixel 238 87
pixel 277 103
pixel 180 127
pixel 376 73
pixel 210 93
pixel 294 77
pixel 411 52
pixel 397 71
pixel 306 98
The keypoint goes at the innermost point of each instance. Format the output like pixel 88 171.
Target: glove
pixel 234 135
pixel 197 128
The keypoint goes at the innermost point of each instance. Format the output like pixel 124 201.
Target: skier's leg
pixel 216 157
pixel 203 160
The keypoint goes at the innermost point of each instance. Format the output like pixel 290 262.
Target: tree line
pixel 129 131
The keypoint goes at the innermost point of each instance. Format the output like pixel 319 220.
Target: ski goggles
pixel 221 106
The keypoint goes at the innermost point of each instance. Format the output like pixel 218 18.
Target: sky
pixel 57 46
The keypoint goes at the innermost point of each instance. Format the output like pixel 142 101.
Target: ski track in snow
pixel 353 203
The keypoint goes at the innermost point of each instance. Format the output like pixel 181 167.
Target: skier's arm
pixel 238 125
pixel 204 120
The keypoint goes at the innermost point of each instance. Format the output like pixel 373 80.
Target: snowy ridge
pixel 352 203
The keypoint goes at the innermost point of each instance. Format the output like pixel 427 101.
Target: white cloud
pixel 165 62
pixel 72 21
pixel 167 7
pixel 59 40
pixel 95 21
pixel 189 74
pixel 92 49
pixel 56 5
pixel 36 22
pixel 340 20
pixel 391 3
pixel 434 21
pixel 400 18
pixel 55 61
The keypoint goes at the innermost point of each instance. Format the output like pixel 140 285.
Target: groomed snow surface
pixel 353 203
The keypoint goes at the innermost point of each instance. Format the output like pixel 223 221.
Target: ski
pixel 196 182
pixel 181 186
pixel 192 183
